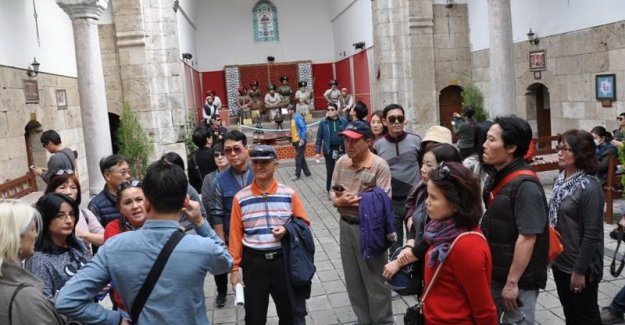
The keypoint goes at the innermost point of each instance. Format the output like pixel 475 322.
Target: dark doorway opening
pixel 114 127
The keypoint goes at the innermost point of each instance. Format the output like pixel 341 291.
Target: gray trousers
pixel 528 299
pixel 368 294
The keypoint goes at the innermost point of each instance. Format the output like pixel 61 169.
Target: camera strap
pixel 619 239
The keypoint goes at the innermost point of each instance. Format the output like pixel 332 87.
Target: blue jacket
pixel 324 134
pixel 300 124
pixel 126 259
pixel 299 261
pixel 375 211
pixel 104 206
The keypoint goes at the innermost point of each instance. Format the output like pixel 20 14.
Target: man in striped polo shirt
pixel 259 213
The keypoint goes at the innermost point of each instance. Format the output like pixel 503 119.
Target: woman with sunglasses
pixel 329 141
pixel 58 253
pixel 576 211
pixel 417 217
pixel 88 228
pixel 221 280
pixel 458 265
pixel 20 291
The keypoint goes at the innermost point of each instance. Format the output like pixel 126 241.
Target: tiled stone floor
pixel 329 303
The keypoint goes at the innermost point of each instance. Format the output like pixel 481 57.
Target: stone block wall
pixel 15 114
pixel 572 61
pixel 452 52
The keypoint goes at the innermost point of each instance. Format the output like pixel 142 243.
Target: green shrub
pixel 134 143
pixel 472 96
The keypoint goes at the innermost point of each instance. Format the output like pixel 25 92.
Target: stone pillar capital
pixel 83 8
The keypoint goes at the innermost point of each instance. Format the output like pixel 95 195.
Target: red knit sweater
pixel 461 294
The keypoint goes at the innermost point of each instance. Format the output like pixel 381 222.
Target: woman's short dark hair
pixel 601 132
pixel 445 152
pixel 48 206
pixel 58 180
pixel 461 190
pixel 173 158
pixel 583 147
pixel 515 131
pixel 361 110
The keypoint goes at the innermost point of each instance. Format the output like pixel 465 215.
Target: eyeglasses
pixel 218 154
pixel 125 185
pixel 563 148
pixel 443 171
pixel 394 118
pixel 63 215
pixel 64 171
pixel 236 150
pixel 123 172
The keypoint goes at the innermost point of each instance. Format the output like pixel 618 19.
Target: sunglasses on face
pixel 64 171
pixel 443 171
pixel 235 150
pixel 125 185
pixel 332 109
pixel 218 154
pixel 396 119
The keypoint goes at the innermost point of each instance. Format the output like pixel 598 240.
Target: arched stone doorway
pixel 538 109
pixel 114 127
pixel 449 102
pixel 35 153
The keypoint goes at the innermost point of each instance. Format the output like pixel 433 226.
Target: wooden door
pixel 543 111
pixel 450 102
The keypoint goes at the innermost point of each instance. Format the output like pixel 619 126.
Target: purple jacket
pixel 377 221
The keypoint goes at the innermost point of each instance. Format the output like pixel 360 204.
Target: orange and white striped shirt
pixel 255 212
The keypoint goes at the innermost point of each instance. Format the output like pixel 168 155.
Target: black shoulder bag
pixel 618 235
pixel 155 273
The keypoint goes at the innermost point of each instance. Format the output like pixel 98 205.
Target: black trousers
pixel 300 160
pixel 221 280
pixel 264 277
pixel 330 163
pixel 579 308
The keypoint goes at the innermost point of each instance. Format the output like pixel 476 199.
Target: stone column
pixel 84 15
pixel 502 97
pixel 421 24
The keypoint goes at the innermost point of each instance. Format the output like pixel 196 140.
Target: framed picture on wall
pixel 31 91
pixel 537 60
pixel 61 99
pixel 605 86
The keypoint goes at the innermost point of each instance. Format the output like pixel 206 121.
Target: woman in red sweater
pixel 130 202
pixel 460 294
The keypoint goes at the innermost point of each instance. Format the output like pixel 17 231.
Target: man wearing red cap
pixel 360 171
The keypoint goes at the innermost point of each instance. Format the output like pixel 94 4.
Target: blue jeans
pixel 618 303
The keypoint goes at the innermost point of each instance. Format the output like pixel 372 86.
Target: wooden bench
pixel 273 138
pixel 612 189
pixel 546 157
pixel 17 188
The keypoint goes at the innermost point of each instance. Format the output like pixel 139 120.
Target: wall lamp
pixel 450 3
pixel 187 56
pixel 33 69
pixel 359 45
pixel 532 38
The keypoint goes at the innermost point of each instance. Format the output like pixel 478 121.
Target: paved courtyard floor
pixel 329 303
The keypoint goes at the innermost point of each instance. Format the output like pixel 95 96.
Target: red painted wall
pixel 215 80
pixel 322 73
pixel 361 80
pixel 343 74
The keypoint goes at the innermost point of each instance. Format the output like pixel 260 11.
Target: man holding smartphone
pixel 359 171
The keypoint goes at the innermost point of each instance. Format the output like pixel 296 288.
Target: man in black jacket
pixel 515 222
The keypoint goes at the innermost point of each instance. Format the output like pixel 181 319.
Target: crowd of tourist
pixel 465 228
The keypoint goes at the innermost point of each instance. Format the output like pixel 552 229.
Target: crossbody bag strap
pixel 440 265
pixel 70 160
pixel 613 269
pixel 19 287
pixel 155 273
pixel 507 180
